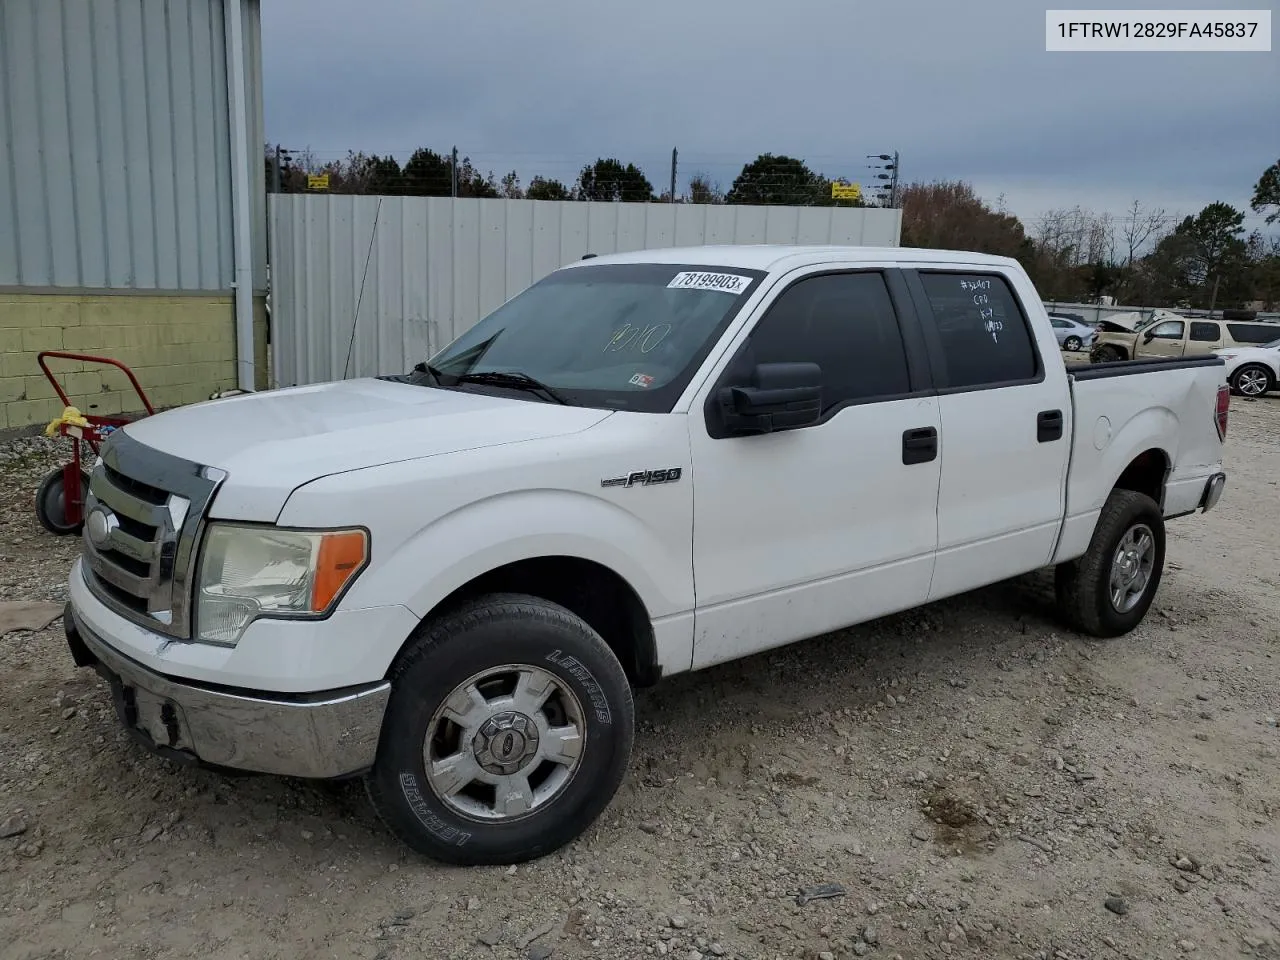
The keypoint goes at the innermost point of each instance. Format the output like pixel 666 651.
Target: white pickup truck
pixel 450 582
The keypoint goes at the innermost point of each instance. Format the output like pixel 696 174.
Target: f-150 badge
pixel 644 478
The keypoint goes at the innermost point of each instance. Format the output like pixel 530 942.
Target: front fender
pixel 485 534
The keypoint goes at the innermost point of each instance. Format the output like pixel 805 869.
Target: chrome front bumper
pixel 323 735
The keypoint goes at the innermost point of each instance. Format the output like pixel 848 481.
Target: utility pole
pixel 275 172
pixel 453 166
pixel 892 177
pixel 674 154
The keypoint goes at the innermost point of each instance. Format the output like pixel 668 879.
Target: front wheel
pixel 1107 354
pixel 508 732
pixel 1107 591
pixel 1072 344
pixel 1252 380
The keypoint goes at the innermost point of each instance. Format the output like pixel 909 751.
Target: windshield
pixel 626 336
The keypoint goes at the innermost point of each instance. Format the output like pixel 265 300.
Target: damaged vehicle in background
pixel 1168 335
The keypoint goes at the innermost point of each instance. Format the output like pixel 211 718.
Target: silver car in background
pixel 1073 336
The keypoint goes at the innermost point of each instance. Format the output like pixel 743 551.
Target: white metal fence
pixel 1092 313
pixel 424 269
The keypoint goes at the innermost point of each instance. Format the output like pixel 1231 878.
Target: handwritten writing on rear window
pixel 982 301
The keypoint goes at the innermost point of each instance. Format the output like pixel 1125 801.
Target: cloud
pixel 962 90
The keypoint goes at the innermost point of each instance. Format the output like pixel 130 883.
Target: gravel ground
pixel 979 782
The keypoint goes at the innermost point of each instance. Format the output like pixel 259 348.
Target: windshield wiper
pixel 424 367
pixel 513 379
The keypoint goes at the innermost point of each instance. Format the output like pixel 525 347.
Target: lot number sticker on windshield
pixel 724 282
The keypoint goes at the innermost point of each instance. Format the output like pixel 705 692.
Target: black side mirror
pixel 780 396
pixel 1149 336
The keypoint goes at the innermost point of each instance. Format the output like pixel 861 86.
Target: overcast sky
pixel 962 90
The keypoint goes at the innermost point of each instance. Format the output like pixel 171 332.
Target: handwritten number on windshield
pixel 646 337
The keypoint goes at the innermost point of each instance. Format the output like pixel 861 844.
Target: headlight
pixel 248 572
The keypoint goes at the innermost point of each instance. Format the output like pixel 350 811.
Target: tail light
pixel 1220 414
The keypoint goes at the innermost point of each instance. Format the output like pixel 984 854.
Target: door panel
pixel 1168 340
pixel 803 531
pixel 1006 431
pixel 1203 337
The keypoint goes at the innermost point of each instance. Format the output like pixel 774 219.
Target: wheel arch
pixel 618 572
pixel 588 589
pixel 1147 473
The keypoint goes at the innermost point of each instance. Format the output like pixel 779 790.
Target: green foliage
pixel 1205 260
pixel 430 174
pixel 608 179
pixel 779 179
pixel 1266 192
pixel 543 189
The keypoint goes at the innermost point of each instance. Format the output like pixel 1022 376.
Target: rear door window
pixel 1202 332
pixel 984 334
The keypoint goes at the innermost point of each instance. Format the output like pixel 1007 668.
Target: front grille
pixel 143 518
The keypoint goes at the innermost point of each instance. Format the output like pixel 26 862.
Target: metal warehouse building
pixel 132 200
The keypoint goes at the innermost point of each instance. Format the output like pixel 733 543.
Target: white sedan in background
pixel 1252 371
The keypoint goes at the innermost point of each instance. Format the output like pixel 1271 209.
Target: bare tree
pixel 703 190
pixel 1139 227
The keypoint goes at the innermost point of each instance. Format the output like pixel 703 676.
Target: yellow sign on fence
pixel 317 181
pixel 845 191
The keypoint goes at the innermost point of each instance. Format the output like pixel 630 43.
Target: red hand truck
pixel 60 499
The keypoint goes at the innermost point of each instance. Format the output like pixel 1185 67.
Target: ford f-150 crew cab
pixel 450 582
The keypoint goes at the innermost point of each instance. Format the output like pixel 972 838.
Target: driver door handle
pixel 919 445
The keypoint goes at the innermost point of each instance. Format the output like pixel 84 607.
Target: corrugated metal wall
pixel 115 170
pixel 437 265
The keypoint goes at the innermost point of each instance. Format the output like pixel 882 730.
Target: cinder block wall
pixel 181 349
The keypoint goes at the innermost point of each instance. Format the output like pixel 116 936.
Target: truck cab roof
pixel 774 257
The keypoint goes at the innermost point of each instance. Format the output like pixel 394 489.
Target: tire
pixel 461 822
pixel 51 504
pixel 1107 354
pixel 1252 380
pixel 1084 585
pixel 1072 344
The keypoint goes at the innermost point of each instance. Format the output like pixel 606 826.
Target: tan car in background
pixel 1166 334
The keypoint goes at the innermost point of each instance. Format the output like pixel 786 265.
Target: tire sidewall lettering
pixel 579 672
pixel 412 791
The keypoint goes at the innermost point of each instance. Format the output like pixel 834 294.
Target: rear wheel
pixel 1252 380
pixel 51 503
pixel 1072 344
pixel 1108 591
pixel 508 732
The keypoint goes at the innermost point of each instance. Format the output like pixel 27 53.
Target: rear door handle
pixel 919 445
pixel 1049 426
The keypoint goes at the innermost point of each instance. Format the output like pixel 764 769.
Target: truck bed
pixel 1158 413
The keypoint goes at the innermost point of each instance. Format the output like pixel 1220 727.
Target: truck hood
pixel 270 443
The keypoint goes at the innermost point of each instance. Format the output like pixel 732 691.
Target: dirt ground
pixel 978 780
